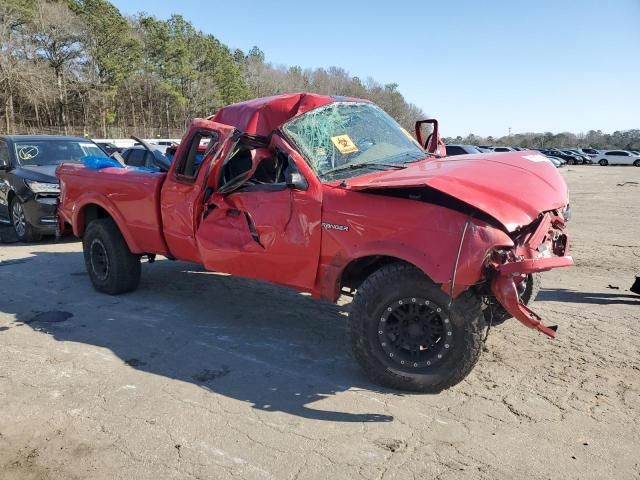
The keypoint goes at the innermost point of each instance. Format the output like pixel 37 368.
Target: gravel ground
pixel 199 375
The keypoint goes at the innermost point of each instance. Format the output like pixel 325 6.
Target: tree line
pixel 81 67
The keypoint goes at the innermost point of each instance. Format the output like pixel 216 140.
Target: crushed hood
pixel 514 188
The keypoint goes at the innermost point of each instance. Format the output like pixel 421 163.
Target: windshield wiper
pixel 355 166
pixel 415 157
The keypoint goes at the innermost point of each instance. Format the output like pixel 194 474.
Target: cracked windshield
pixel 346 139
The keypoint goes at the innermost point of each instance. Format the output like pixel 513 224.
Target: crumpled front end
pixel 539 247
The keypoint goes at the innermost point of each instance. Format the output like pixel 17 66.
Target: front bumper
pixel 505 290
pixel 40 211
pixel 537 250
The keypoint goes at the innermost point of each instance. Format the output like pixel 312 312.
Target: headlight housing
pixel 42 187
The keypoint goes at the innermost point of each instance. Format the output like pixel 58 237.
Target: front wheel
pixel 637 163
pixel 21 226
pixel 405 336
pixel 603 163
pixel 112 267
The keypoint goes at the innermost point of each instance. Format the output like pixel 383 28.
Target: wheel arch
pixel 93 209
pixel 357 270
pixel 351 272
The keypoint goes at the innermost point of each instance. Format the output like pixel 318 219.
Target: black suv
pixel 461 150
pixel 29 188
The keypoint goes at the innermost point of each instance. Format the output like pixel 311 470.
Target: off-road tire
pixel 496 314
pixel 398 281
pixel 103 240
pixel 26 233
pixel 603 163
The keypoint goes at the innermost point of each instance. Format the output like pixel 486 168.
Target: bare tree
pixel 57 33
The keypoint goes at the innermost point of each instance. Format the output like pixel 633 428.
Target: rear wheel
pixel 405 336
pixel 603 163
pixel 112 267
pixel 21 226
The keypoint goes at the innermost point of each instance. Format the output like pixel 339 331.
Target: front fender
pixel 453 258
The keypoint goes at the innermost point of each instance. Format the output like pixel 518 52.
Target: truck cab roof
pixel 263 115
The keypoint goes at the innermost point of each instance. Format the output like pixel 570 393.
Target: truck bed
pixel 131 196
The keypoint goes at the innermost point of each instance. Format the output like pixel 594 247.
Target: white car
pixel 617 157
pixel 162 143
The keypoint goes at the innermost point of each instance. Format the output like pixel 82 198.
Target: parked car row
pixel 459 149
pixel 571 156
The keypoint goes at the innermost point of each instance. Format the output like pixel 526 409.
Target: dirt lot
pixel 200 375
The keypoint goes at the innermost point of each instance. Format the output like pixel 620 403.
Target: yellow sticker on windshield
pixel 344 144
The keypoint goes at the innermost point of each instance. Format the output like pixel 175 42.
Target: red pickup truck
pixel 329 195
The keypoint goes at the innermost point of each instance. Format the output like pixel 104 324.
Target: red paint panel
pixel 131 197
pixel 182 199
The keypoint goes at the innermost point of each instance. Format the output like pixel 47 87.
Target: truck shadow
pixel 247 340
pixel 572 296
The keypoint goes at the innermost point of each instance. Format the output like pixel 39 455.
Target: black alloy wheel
pixel 415 332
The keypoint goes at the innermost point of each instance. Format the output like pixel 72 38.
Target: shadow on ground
pixel 8 238
pixel 269 346
pixel 572 296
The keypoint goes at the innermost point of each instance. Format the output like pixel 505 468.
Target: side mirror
pixel 430 144
pixel 297 181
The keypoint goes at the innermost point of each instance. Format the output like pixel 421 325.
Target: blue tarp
pixel 98 163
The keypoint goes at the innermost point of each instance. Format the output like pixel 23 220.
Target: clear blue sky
pixel 478 66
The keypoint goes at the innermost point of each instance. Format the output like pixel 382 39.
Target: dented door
pixel 182 198
pixel 271 234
